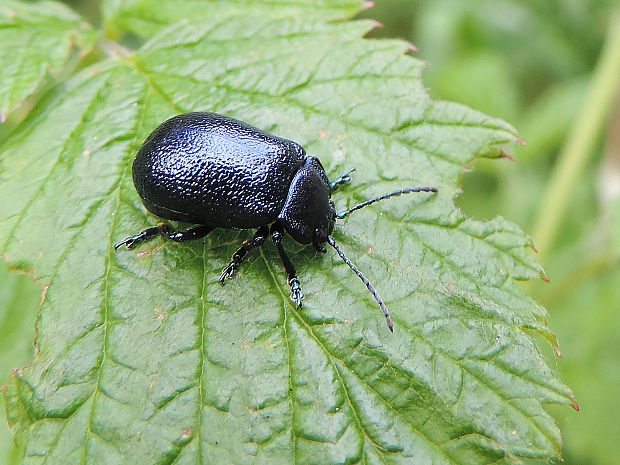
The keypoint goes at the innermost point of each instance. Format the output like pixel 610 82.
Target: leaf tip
pixel 377 24
pixel 522 142
pixel 558 352
pixel 412 48
pixel 575 405
pixel 367 5
pixel 507 156
pixel 3 118
pixel 546 278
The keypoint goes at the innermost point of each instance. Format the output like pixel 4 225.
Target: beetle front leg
pixel 240 255
pixel 342 179
pixel 277 233
pixel 164 230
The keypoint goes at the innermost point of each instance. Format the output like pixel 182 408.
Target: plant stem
pixel 584 135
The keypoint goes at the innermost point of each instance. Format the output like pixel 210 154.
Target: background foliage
pixel 532 65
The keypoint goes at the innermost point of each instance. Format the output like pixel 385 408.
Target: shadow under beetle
pixel 217 172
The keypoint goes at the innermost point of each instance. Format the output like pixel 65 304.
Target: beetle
pixel 215 171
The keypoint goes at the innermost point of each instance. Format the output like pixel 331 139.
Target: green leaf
pixel 142 19
pixel 143 357
pixel 36 39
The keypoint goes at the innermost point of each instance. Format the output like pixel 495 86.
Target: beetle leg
pixel 241 253
pixel 188 235
pixel 164 230
pixel 342 179
pixel 277 233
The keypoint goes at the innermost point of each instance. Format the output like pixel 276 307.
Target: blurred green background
pixel 546 67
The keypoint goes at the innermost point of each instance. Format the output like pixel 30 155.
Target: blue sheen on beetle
pixel 218 172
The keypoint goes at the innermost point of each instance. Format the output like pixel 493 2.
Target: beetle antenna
pixel 406 190
pixel 377 297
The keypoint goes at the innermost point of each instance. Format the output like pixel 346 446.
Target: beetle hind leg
pixel 277 233
pixel 242 252
pixel 164 230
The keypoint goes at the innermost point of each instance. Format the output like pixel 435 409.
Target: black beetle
pixel 218 172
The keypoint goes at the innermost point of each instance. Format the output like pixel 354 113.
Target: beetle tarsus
pixel 342 179
pixel 228 272
pixel 136 239
pixel 242 252
pixel 296 293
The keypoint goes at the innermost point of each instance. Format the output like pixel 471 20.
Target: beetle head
pixel 322 234
pixel 308 213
